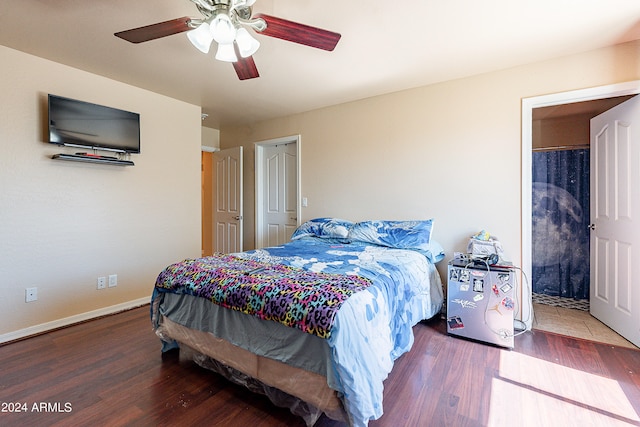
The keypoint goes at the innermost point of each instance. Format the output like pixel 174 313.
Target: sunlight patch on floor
pixel 534 392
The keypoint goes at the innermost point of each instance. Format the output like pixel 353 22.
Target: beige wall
pixel 451 151
pixel 210 138
pixel 64 224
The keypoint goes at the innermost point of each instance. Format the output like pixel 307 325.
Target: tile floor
pixel 575 323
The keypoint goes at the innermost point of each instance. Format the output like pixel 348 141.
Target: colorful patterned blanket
pixel 294 297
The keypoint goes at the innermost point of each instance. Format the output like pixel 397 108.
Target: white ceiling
pixel 382 50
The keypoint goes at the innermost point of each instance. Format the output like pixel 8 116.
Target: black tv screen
pixel 82 124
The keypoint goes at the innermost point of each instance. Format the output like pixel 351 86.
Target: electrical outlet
pixel 31 294
pixel 113 280
pixel 102 282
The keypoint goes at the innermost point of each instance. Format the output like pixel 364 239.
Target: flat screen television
pixel 82 124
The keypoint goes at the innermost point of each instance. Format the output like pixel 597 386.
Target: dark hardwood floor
pixel 110 371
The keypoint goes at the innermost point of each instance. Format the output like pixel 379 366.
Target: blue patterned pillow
pixel 435 253
pixel 326 228
pixel 395 234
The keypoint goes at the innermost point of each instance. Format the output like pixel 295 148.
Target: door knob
pixel 592 227
pixel 237 217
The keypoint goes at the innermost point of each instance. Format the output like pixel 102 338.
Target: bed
pixel 315 324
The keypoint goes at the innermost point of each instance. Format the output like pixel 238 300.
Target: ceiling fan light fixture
pixel 222 29
pixel 247 45
pixel 226 52
pixel 201 37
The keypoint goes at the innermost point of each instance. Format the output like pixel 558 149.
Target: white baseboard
pixel 60 323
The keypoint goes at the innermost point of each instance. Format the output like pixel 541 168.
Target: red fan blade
pixel 246 68
pixel 155 31
pixel 299 33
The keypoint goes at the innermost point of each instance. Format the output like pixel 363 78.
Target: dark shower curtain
pixel 560 211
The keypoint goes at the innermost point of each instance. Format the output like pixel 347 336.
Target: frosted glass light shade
pixel 226 52
pixel 223 30
pixel 247 45
pixel 201 37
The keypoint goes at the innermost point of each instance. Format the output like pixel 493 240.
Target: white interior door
pixel 227 200
pixel 277 201
pixel 615 206
pixel 280 208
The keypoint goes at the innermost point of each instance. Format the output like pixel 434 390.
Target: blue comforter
pixel 374 326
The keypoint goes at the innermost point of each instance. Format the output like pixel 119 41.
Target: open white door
pixel 615 219
pixel 277 188
pixel 227 200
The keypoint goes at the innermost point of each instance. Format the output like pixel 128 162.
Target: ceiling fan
pixel 226 22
